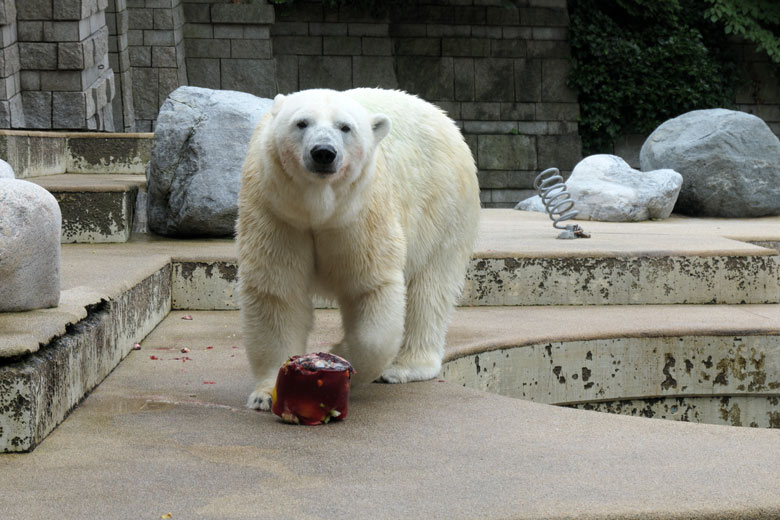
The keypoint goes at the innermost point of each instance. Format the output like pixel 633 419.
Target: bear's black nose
pixel 323 154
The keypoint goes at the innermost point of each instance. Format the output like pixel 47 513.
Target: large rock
pixel 730 163
pixel 6 172
pixel 194 174
pixel 30 228
pixel 606 188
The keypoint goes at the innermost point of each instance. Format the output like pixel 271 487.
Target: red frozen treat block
pixel 313 389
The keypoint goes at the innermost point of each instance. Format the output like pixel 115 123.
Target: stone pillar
pixel 66 77
pixel 117 18
pixel 11 111
pixel 156 45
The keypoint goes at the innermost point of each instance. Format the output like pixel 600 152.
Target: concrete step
pixel 163 422
pixel 518 261
pixel 120 291
pixel 36 154
pixel 697 363
pixel 711 363
pixel 98 208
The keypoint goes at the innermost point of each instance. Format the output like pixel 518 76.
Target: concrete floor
pixel 171 435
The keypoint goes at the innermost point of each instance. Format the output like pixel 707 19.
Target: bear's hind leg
pixel 431 296
pixel 373 329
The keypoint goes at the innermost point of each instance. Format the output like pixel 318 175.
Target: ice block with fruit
pixel 313 389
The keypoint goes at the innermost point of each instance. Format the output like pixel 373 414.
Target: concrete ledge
pixel 619 280
pixel 729 380
pixel 35 154
pixel 641 280
pixel 205 285
pixel 95 208
pixel 39 390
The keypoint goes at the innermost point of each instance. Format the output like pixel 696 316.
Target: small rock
pixel 194 175
pixel 6 172
pixel 606 188
pixel 30 229
pixel 729 160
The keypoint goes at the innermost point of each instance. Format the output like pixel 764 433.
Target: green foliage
pixel 757 21
pixel 637 63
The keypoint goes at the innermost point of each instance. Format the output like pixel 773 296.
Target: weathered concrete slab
pixel 24 332
pixel 35 154
pixel 518 261
pixel 730 380
pixel 32 154
pixel 205 285
pixel 90 273
pixel 154 439
pixel 38 390
pixel 617 280
pixel 121 154
pixel 95 208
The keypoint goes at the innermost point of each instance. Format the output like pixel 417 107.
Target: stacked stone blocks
pixel 498 69
pixel 117 21
pixel 11 110
pixel 66 80
pixel 229 47
pixel 156 51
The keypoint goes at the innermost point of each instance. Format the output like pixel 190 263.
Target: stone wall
pixel 229 47
pixel 65 78
pixel 117 20
pixel 155 39
pixel 498 67
pixel 11 111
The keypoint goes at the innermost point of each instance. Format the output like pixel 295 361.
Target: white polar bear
pixel 335 202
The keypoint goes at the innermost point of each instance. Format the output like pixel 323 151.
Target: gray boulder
pixel 194 174
pixel 30 229
pixel 606 188
pixel 6 172
pixel 730 163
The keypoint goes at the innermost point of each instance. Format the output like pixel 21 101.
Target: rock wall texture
pixel 499 68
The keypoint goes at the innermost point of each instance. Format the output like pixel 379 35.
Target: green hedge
pixel 637 63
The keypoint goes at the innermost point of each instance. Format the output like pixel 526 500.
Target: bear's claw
pixel 259 400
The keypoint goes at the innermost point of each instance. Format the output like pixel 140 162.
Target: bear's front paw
pixel 260 400
pixel 405 374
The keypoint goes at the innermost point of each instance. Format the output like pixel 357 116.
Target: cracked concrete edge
pixel 40 389
pixel 25 332
pixel 35 154
pixel 518 327
pixel 107 279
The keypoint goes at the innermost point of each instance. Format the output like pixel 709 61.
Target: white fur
pixel 389 234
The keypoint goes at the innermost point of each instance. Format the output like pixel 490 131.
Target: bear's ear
pixel 380 125
pixel 278 102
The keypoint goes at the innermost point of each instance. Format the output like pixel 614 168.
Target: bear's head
pixel 325 136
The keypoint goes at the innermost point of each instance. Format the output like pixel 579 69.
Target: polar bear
pixel 369 197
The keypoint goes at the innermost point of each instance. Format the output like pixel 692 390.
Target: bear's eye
pixel 345 128
pixel 302 124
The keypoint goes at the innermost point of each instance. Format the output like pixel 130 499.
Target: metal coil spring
pixel 558 202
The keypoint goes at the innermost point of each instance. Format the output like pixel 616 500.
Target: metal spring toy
pixel 558 203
